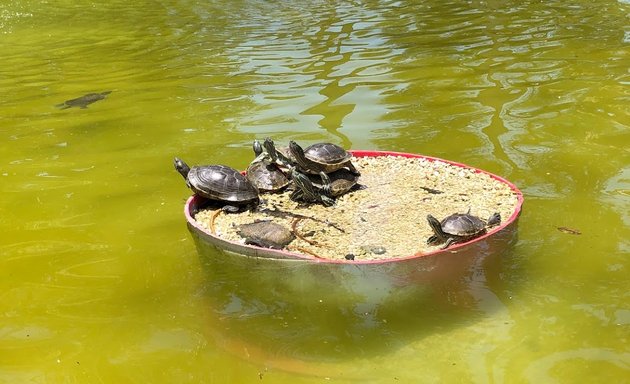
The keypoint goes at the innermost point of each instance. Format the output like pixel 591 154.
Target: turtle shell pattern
pixel 220 182
pixel 266 177
pixel 327 154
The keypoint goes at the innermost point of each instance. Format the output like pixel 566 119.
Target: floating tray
pixel 203 235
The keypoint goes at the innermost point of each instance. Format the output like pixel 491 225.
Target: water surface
pixel 101 282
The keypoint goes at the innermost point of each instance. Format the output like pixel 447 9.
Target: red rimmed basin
pixel 201 234
pixel 377 304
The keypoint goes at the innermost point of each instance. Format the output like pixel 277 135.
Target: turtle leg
pixel 230 209
pixel 449 242
pixel 327 201
pixel 433 240
pixel 352 168
pixel 325 184
pixel 494 220
pixel 297 195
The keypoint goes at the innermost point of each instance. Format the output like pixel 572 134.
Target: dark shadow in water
pixel 263 309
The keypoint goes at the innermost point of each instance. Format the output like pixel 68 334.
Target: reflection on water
pixel 346 312
pixel 100 281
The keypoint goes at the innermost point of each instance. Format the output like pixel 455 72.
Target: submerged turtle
pixel 263 174
pixel 459 227
pixel 321 157
pixel 266 234
pixel 219 183
pixel 83 101
pixel 306 191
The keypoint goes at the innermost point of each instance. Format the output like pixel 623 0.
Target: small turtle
pixel 306 191
pixel 263 174
pixel 266 234
pixel 459 227
pixel 280 156
pixel 219 183
pixel 321 157
pixel 83 101
pixel 339 182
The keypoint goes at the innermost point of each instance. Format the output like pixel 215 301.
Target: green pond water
pixel 101 282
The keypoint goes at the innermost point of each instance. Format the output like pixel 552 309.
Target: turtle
pixel 459 227
pixel 280 156
pixel 336 183
pixel 83 101
pixel 263 174
pixel 266 234
pixel 321 157
pixel 306 191
pixel 219 183
pixel 339 182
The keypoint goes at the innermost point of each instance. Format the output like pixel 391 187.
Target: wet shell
pixel 327 154
pixel 220 182
pixel 459 224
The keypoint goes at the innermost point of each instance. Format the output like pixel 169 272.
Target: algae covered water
pixel 100 279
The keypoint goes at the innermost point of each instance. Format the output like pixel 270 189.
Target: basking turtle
pixel 459 227
pixel 321 157
pixel 266 234
pixel 280 156
pixel 219 183
pixel 83 101
pixel 336 183
pixel 263 174
pixel 306 191
pixel 339 182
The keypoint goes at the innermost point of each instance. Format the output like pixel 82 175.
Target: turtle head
pixel 258 149
pixel 295 149
pixel 436 227
pixel 298 154
pixel 181 167
pixel 270 147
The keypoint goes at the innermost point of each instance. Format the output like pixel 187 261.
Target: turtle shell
pixel 462 224
pixel 327 154
pixel 266 234
pixel 266 177
pixel 220 182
